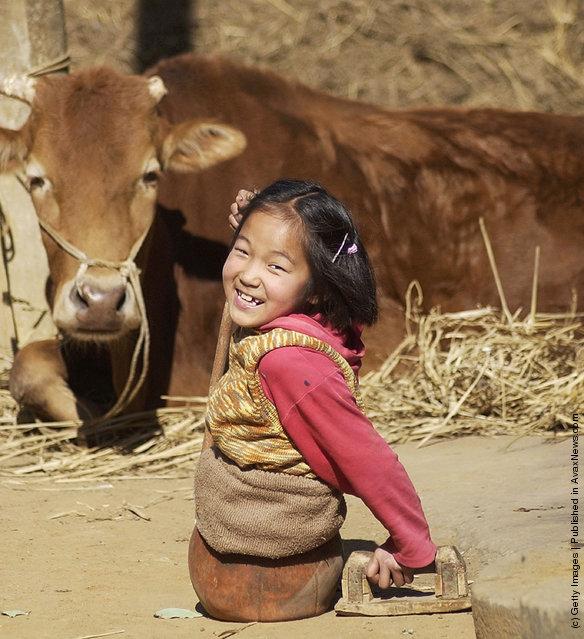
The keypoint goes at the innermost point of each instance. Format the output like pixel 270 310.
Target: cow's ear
pixel 13 149
pixel 195 145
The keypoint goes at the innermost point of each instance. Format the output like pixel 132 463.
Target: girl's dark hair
pixel 343 291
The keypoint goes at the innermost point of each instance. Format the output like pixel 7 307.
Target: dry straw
pixel 480 372
pixel 476 373
pixel 526 55
pixel 162 442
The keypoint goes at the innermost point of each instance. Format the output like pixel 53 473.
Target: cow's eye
pixel 36 182
pixel 150 177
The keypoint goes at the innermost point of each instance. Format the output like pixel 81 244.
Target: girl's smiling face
pixel 266 273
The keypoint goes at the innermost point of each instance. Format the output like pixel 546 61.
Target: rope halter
pixel 23 87
pixel 130 273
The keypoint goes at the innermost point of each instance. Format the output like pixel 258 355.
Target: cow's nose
pixel 90 297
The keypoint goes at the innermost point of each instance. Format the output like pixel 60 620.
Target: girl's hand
pixel 242 198
pixel 383 570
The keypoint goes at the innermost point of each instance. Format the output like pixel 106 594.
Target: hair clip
pixel 340 247
pixel 350 250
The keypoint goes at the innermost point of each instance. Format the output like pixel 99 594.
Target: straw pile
pixel 480 372
pixel 157 443
pixel 476 373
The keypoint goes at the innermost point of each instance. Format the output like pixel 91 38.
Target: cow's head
pixel 90 154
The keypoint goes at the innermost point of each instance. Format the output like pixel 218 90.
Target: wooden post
pixel 32 40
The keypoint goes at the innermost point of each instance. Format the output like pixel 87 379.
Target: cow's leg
pixel 39 381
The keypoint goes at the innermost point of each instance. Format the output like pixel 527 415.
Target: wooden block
pixel 356 585
pixel 450 573
pixel 451 589
pixel 406 605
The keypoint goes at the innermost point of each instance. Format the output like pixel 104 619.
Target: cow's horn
pixel 20 87
pixel 156 88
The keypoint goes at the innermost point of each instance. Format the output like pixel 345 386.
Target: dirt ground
pixel 91 559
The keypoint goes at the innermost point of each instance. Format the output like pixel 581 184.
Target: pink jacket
pixel 339 443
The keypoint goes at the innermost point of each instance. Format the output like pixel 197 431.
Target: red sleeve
pixel 339 443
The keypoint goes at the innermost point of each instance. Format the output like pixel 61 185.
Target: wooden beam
pixel 32 38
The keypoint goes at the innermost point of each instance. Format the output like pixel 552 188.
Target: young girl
pixel 300 286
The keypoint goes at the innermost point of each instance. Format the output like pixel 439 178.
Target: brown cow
pixel 416 181
pixel 91 154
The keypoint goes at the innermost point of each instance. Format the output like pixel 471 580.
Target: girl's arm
pixel 339 443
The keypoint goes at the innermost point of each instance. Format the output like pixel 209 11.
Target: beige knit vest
pixel 244 424
pixel 261 513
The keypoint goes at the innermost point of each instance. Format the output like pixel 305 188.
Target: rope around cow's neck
pixel 130 272
pixel 127 268
pixel 54 65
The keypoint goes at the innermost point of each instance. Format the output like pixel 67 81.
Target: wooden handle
pixel 222 349
pixel 449 567
pixel 220 361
